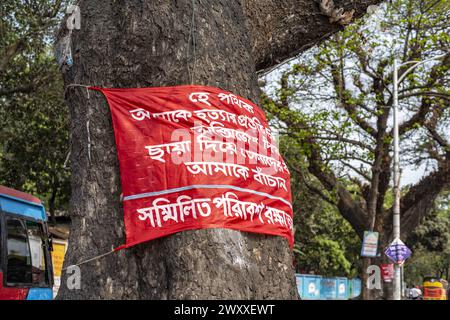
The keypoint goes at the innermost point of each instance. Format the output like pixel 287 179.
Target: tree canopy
pixel 34 130
pixel 332 108
pixel 335 103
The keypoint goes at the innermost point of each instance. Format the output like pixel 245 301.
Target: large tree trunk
pixel 139 44
pixel 146 43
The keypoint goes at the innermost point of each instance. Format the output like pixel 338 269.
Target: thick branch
pixel 420 116
pixel 438 138
pixel 284 28
pixel 339 138
pixel 313 189
pixel 417 118
pixel 348 208
pixel 10 53
pixel 418 202
pixel 358 171
pixel 20 89
pixel 352 110
pixel 33 85
pixel 445 96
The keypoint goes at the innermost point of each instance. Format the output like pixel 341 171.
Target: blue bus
pixel 26 271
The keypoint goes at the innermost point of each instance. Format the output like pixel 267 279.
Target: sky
pixel 410 174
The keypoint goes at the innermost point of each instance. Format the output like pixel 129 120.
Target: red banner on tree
pixel 194 157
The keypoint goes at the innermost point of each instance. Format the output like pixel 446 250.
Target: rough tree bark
pixel 149 43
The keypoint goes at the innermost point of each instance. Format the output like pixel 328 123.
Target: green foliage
pixel 427 263
pixel 33 116
pixel 324 257
pixel 346 81
pixel 432 234
pixel 332 100
pixel 431 250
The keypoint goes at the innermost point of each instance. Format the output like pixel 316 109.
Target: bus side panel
pixel 12 293
pixel 19 207
pixel 40 294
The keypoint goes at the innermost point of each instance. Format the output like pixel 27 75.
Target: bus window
pixel 38 257
pixel 18 261
pixel 26 262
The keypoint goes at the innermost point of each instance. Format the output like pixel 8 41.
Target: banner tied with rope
pixel 195 157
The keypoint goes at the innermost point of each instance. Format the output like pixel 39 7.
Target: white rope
pixel 77 85
pixel 91 259
pixel 89 157
pixel 89 139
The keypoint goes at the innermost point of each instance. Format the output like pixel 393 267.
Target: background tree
pixel 24 41
pixel 151 43
pixel 431 245
pixel 33 115
pixel 325 243
pixel 335 102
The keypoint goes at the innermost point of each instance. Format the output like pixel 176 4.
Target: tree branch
pixel 418 201
pixel 420 116
pixel 416 119
pixel 348 208
pixel 346 140
pixel 284 28
pixel 312 188
pixel 358 171
pixel 339 88
pixel 438 138
pixel 441 95
pixel 10 53
pixel 20 89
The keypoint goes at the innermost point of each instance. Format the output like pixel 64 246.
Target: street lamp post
pixel 396 212
pixel 396 221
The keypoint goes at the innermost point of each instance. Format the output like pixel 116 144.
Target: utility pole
pixel 396 218
pixel 397 294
